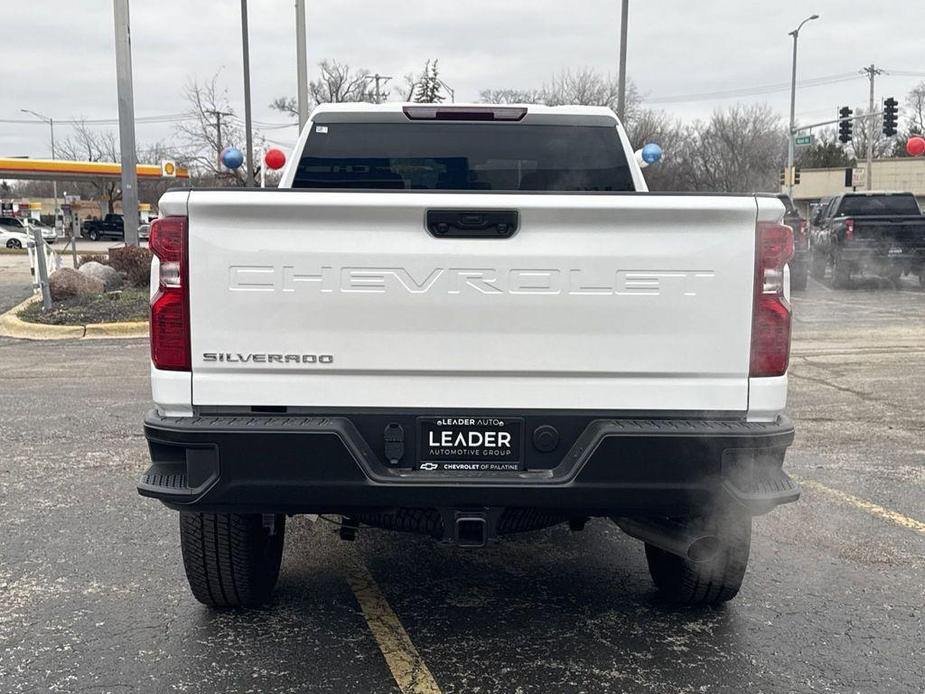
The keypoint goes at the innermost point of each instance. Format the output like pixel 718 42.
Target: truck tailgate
pixel 344 299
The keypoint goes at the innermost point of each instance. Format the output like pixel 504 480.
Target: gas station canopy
pixel 61 170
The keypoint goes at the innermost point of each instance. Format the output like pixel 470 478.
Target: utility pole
pixel 793 104
pixel 301 62
pixel 218 132
pixel 248 135
pixel 871 71
pixel 126 122
pixel 378 78
pixel 621 93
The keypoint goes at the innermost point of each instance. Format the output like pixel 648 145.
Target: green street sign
pixel 803 140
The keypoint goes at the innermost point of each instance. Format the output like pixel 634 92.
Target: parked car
pixel 882 233
pixel 426 340
pixel 799 265
pixel 10 237
pixel 17 230
pixel 48 233
pixel 111 226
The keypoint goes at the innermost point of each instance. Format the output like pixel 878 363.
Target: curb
pixel 13 326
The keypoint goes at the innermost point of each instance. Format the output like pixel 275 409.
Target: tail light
pixel 802 237
pixel 170 335
pixel 771 314
pixel 505 113
pixel 849 229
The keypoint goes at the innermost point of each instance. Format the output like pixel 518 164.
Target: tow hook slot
pixel 394 440
pixel 470 528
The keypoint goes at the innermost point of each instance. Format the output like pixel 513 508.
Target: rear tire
pixel 685 582
pixel 93 235
pixel 13 243
pixel 818 266
pixel 841 273
pixel 231 559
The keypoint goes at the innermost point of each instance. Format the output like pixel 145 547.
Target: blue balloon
pixel 232 157
pixel 651 153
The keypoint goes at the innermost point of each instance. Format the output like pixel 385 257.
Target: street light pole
pixel 301 62
pixel 793 102
pixel 621 93
pixel 248 136
pixel 54 183
pixel 126 100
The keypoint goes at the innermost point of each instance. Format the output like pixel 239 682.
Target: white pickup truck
pixel 468 321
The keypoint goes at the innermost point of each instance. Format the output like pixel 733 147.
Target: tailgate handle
pixel 472 224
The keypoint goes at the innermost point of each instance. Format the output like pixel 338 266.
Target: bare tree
pixel 824 153
pixel 914 117
pixel 212 126
pixel 86 144
pixel 738 150
pixel 511 96
pixel 915 110
pixel 658 127
pixel 585 87
pixel 865 128
pixel 338 83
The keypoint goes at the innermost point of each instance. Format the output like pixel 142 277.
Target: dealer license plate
pixel 470 444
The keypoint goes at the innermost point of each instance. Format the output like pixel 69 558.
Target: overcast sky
pixel 58 56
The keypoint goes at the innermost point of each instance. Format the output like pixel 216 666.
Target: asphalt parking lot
pixel 93 598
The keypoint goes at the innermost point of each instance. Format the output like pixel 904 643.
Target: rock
pixel 110 278
pixel 67 284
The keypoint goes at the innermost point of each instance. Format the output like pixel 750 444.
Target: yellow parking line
pixel 871 508
pixel 403 659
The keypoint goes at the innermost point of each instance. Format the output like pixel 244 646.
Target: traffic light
pixel 889 116
pixel 844 125
pixel 796 175
pixel 783 177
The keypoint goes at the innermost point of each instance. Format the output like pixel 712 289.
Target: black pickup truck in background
pixel 881 233
pixel 110 226
pixel 799 264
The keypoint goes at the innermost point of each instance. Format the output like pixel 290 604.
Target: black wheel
pixel 818 263
pixel 798 277
pixel 232 559
pixel 13 243
pixel 93 235
pixel 718 580
pixel 841 273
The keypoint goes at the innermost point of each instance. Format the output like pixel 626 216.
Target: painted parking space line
pixel 867 506
pixel 408 668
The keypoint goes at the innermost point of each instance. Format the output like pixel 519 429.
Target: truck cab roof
pixel 399 111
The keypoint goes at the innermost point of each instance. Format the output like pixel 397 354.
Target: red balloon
pixel 915 146
pixel 274 158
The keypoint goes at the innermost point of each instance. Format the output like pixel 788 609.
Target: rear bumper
pixel 302 464
pixel 879 254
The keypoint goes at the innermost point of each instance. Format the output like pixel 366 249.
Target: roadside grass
pixel 127 305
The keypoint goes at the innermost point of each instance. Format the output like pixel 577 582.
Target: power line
pixel 752 91
pixel 679 98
